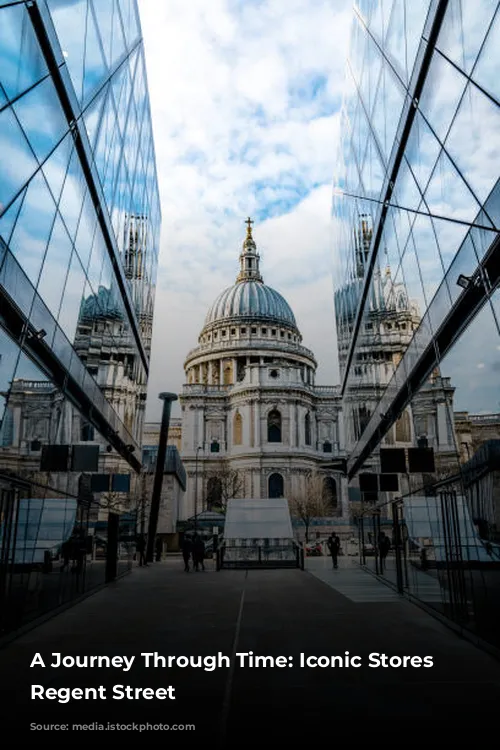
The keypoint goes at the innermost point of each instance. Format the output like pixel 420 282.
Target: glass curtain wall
pixel 416 220
pixel 79 236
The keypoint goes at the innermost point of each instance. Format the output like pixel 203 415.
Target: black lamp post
pixel 167 399
pixel 199 448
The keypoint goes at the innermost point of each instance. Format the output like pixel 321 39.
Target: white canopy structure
pixel 258 519
pixel 259 533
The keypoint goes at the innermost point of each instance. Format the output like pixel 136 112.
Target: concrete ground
pixel 270 613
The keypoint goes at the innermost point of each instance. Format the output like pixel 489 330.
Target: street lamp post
pixel 199 448
pixel 167 399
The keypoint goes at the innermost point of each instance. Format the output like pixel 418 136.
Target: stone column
pixel 292 423
pixel 442 427
pixel 251 424
pixel 256 405
pixel 297 424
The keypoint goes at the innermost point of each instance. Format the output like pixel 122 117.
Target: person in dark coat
pixel 141 549
pixel 198 552
pixel 187 549
pixel 159 548
pixel 384 545
pixel 334 548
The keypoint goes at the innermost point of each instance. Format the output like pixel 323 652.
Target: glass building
pixel 79 236
pixel 416 213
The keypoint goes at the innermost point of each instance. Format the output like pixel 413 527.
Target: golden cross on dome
pixel 249 223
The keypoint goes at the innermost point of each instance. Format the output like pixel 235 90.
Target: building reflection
pixel 417 302
pixel 79 235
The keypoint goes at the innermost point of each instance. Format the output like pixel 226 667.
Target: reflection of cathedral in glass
pixel 386 330
pixel 417 303
pixel 79 236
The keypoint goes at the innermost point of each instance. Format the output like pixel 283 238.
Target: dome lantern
pixel 249 298
pixel 249 258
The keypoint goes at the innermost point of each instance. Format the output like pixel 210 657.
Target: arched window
pixel 276 485
pixel 238 429
pixel 274 426
pixel 307 426
pixel 228 374
pixel 403 428
pixel 330 493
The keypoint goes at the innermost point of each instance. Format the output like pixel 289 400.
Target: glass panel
pixel 473 365
pixel 441 96
pixel 482 239
pixel 486 69
pixel 70 307
pixel 395 41
pixel 449 236
pixel 117 41
pixel 95 67
pixel 73 193
pixel 30 237
pixel 130 20
pixel 70 21
pixel 412 278
pixel 21 61
pixel 86 229
pixel 422 151
pixel 429 260
pixel 447 195
pixel 42 319
pixel 440 306
pixel 407 193
pixel 465 264
pixel 42 118
pixel 495 303
pixel 16 283
pixel 18 162
pixel 8 219
pixel 473 141
pixel 97 260
pixel 10 353
pixel 55 267
pixel 387 110
pixel 56 166
pixel 92 117
pixel 463 31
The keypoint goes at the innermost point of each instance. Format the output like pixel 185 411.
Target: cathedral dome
pixel 249 297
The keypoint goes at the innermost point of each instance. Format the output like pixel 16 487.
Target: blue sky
pixel 245 99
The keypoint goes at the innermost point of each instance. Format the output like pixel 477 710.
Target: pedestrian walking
pixel 198 552
pixel 334 548
pixel 187 549
pixel 141 550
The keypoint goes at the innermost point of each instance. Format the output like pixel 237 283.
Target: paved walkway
pixel 271 613
pixel 351 581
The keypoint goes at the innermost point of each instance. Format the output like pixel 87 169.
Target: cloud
pixel 245 99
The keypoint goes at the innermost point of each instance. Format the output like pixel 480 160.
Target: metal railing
pixel 249 557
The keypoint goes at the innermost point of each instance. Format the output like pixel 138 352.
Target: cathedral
pixel 254 423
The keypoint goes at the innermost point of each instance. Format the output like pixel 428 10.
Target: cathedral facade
pixel 254 423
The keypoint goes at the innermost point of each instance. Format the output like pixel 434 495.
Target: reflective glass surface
pixel 417 293
pixel 79 235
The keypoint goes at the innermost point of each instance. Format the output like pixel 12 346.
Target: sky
pixel 245 99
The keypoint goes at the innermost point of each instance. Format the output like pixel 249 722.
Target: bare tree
pixel 314 502
pixel 223 484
